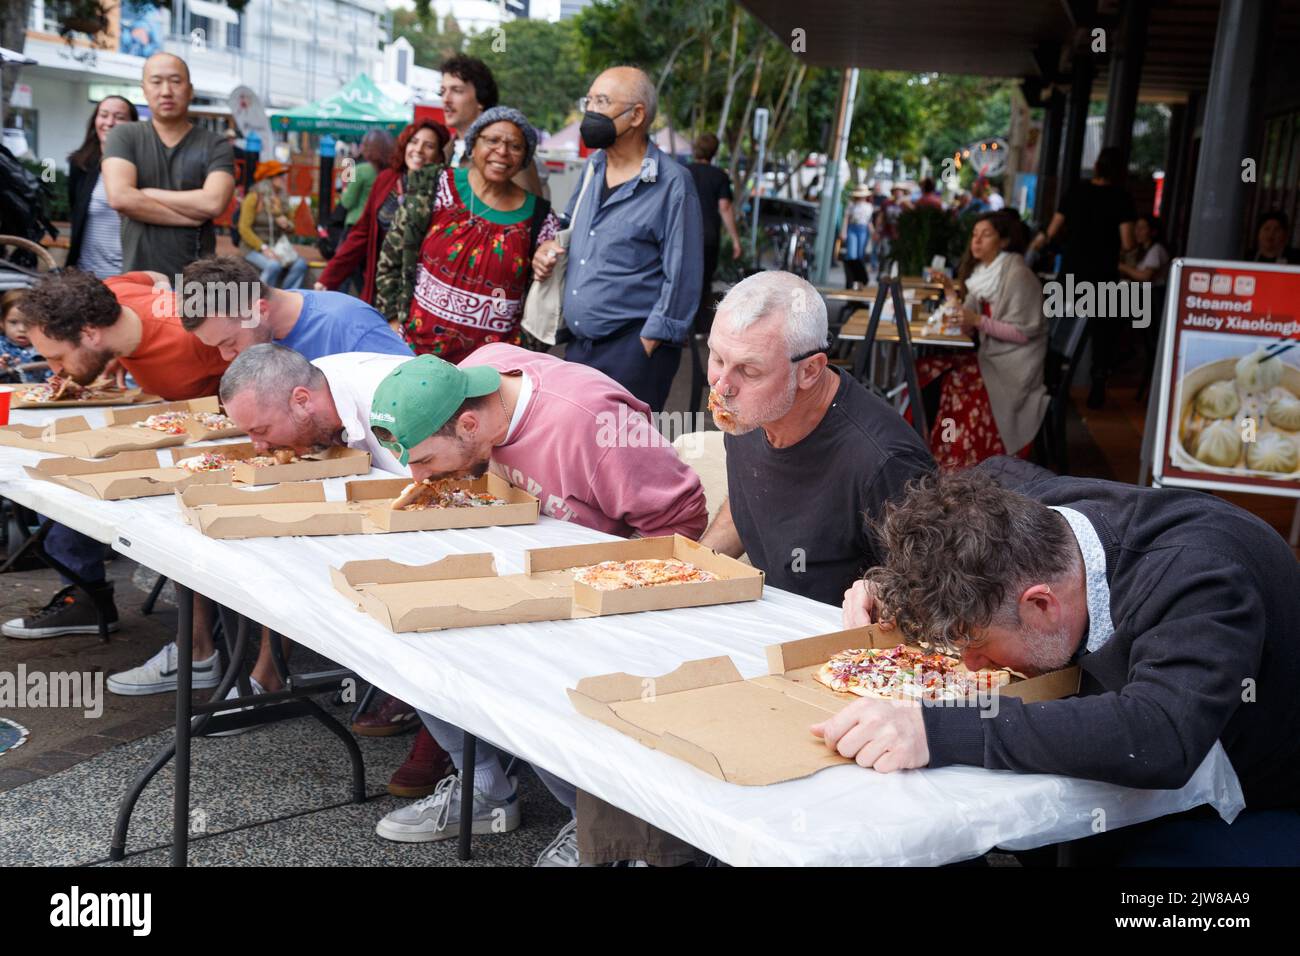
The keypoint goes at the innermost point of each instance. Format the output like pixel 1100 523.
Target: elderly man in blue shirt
pixel 636 251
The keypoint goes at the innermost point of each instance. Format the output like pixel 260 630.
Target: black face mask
pixel 597 130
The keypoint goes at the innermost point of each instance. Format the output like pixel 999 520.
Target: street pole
pixel 831 179
pixel 760 134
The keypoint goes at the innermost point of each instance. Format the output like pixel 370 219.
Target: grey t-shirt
pixel 167 249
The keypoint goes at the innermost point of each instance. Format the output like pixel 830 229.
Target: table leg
pixel 467 761
pixel 184 685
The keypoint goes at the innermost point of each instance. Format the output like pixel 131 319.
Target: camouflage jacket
pixel 399 255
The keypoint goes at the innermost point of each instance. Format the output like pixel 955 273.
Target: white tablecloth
pixel 506 684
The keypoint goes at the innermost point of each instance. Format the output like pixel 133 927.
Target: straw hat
pixel 860 192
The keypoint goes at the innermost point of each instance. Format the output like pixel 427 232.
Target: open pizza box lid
pixel 335 462
pixel 195 432
pixel 74 437
pixel 747 732
pixel 735 581
pixel 227 511
pixel 127 396
pixel 128 474
pixel 461 590
pixel 520 507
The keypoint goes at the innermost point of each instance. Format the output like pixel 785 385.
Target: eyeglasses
pixel 512 147
pixel 808 355
pixel 601 102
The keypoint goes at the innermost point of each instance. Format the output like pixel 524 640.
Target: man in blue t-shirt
pixel 223 302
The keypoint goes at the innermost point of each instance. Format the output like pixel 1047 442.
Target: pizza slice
pixel 722 417
pixel 169 423
pixel 442 493
pixel 208 461
pixel 276 456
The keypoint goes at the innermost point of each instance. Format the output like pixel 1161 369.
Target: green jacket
pixel 354 195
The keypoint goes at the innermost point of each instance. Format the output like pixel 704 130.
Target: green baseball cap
pixel 418 397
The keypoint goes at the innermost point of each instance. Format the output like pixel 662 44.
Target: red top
pixel 361 247
pixel 169 362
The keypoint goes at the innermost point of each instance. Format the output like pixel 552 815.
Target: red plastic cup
pixel 4 405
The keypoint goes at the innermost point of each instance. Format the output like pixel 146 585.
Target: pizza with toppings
pixel 426 494
pixel 208 461
pixel 170 423
pixel 640 573
pixel 59 388
pixel 277 456
pixel 177 423
pixel 905 673
pixel 722 417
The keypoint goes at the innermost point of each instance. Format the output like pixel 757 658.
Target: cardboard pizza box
pixel 227 511
pixel 74 437
pixel 128 396
pixel 796 662
pixel 302 509
pixel 338 461
pixel 431 597
pixel 128 474
pixel 755 732
pixel 520 507
pixel 461 590
pixel 705 713
pixel 736 581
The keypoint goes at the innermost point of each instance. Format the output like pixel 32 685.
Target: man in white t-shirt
pixel 283 401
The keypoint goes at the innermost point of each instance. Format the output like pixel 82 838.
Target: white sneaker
pixel 563 850
pixel 157 675
pixel 234 692
pixel 437 816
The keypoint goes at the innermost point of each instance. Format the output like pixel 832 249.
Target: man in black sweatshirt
pixel 1182 611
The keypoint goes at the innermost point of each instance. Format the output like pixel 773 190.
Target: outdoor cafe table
pixel 506 684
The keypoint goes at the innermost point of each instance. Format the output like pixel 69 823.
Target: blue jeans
pixel 272 269
pixel 81 555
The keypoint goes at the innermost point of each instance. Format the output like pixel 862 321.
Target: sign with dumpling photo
pixel 1229 415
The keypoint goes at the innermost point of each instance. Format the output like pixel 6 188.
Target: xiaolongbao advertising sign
pixel 1230 396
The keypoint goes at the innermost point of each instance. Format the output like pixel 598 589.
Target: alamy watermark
pixel 79 690
pixel 200 299
pixel 628 428
pixel 1098 300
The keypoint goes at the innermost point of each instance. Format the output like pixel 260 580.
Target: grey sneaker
pixel 157 675
pixel 563 850
pixel 437 816
pixel 70 611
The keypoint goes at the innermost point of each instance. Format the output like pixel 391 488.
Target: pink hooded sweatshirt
pixel 584 446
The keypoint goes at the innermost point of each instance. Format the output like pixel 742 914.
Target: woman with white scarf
pixel 992 403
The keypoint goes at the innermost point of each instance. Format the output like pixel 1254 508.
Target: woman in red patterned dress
pixel 475 261
pixel 992 403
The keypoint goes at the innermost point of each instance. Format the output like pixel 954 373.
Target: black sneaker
pixel 71 611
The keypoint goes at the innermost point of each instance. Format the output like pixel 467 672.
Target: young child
pixel 15 347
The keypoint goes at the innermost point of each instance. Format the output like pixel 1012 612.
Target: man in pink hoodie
pixel 585 448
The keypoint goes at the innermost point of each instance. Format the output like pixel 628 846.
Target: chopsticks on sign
pixel 1277 348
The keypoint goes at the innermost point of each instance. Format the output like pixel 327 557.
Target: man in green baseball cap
pixel 425 399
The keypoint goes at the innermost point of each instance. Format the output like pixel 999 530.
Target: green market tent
pixel 356 108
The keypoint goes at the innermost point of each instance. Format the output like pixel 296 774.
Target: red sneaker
pixel 390 718
pixel 426 764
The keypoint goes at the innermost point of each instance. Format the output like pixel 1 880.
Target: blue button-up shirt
pixel 639 256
